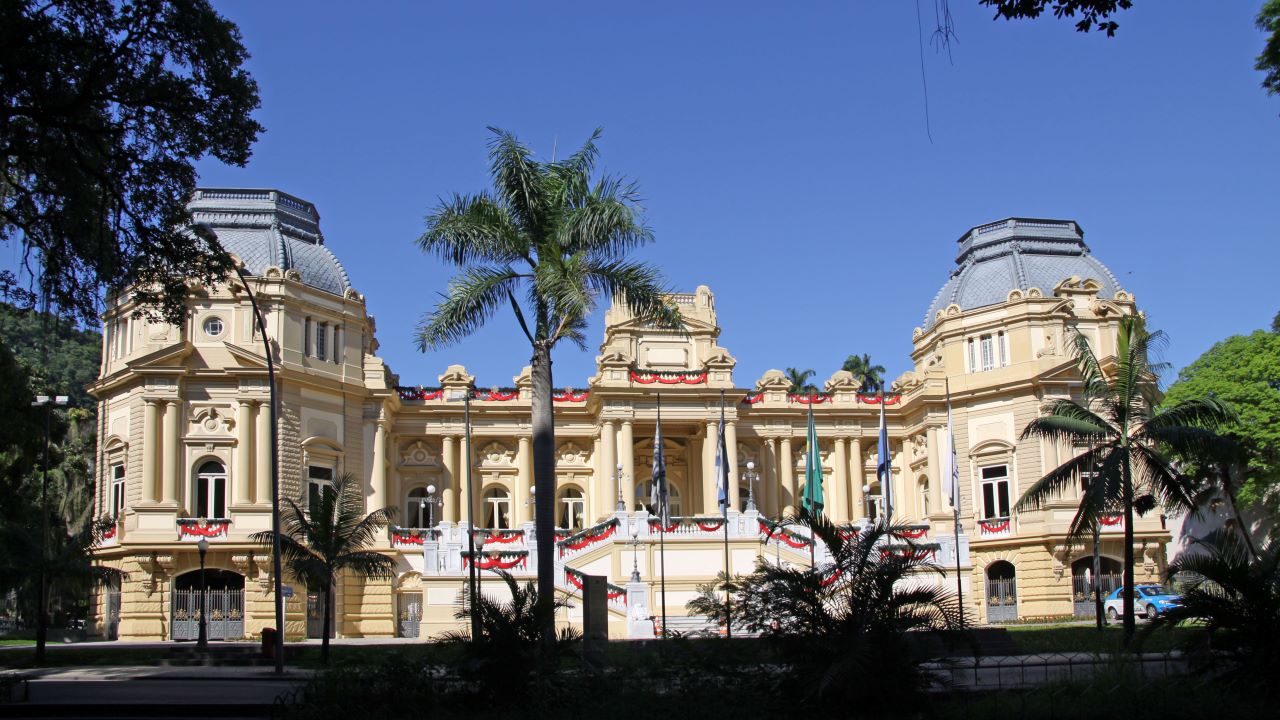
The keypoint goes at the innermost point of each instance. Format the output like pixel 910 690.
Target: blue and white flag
pixel 658 491
pixel 722 465
pixel 884 468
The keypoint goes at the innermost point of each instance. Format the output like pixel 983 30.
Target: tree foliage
pixel 1244 372
pixel 845 623
pixel 869 376
pixel 105 106
pixel 1269 59
pixel 61 357
pixel 1093 13
pixel 317 543
pixel 799 381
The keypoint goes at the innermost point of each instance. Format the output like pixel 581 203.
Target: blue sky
pixel 783 154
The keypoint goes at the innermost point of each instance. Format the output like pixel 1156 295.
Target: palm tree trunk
pixel 1130 621
pixel 544 480
pixel 1229 487
pixel 324 627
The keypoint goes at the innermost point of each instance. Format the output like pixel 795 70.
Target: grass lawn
pixel 1037 640
pixel 16 642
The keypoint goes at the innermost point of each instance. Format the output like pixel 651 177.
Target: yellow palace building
pixel 185 444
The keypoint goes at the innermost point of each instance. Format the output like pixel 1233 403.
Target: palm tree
pixel 870 377
pixel 846 621
pixel 799 380
pixel 1235 595
pixel 319 542
pixel 551 242
pixel 1124 437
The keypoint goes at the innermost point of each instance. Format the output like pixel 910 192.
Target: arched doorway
pixel 1081 583
pixel 221 602
pixel 1002 592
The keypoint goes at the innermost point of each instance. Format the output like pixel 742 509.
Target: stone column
pixel 840 482
pixel 856 480
pixel 627 458
pixel 449 489
pixel 935 468
pixel 524 477
pixel 150 433
pixel 773 486
pixel 693 483
pixel 709 505
pixel 787 464
pixel 467 475
pixel 172 443
pixel 599 485
pixel 242 478
pixel 608 467
pixel 262 448
pixel 731 445
pixel 378 476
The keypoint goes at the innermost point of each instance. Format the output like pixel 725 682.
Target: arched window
pixel 573 509
pixel 924 496
pixel 420 508
pixel 209 493
pixel 644 492
pixel 497 509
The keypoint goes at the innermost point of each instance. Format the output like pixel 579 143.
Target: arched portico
pixel 219 597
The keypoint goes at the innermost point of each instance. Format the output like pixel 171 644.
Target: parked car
pixel 1149 601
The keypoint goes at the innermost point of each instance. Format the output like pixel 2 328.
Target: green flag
pixel 812 500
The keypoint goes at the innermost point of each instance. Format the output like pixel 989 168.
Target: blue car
pixel 1149 601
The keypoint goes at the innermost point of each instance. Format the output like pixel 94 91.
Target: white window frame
pixel 498 505
pixel 574 508
pixel 1002 343
pixel 419 509
pixel 321 340
pixel 117 496
pixel 213 495
pixel 990 487
pixel 317 481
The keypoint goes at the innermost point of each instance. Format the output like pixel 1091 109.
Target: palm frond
pixel 471 299
pixel 518 178
pixel 467 229
pixel 639 286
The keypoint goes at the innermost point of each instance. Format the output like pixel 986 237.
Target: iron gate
pixel 410 614
pixel 1002 600
pixel 315 615
pixel 111 615
pixel 225 612
pixel 1082 594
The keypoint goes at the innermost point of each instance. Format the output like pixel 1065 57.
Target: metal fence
pixel 1002 600
pixel 1082 593
pixel 1027 671
pixel 225 610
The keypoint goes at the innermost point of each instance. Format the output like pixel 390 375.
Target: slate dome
pixel 268 227
pixel 1018 253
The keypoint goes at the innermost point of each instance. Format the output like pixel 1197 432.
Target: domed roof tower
pixel 266 228
pixel 1018 254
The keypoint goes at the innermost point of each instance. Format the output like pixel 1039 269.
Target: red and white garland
pixel 202 528
pixel 992 527
pixel 420 393
pixel 656 524
pixel 588 537
pixel 503 537
pixel 649 377
pixel 612 592
pixel 913 533
pixel 1112 519
pixel 109 533
pixel 777 532
pixel 709 524
pixel 877 399
pixel 814 399
pixel 497 394
pixel 753 398
pixel 498 561
pixel 833 576
pixel 913 552
pixel 570 396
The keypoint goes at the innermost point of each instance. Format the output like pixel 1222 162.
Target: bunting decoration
pixel 419 393
pixel 504 560
pixel 833 576
pixel 753 398
pixel 814 399
pixel 878 399
pixel 194 529
pixel 612 592
pixel 499 536
pixel 1111 519
pixel 991 527
pixel 497 394
pixel 656 524
pixel 710 525
pixel 568 395
pixel 775 531
pixel 913 532
pixel 666 377
pixel 588 537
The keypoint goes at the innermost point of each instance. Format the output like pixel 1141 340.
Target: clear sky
pixel 783 153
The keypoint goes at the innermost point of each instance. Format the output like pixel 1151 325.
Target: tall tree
pixel 550 240
pixel 317 543
pixel 870 377
pixel 1120 422
pixel 799 380
pixel 105 106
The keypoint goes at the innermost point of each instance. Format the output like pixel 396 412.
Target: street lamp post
pixel 202 640
pixel 635 549
pixel 464 395
pixel 42 622
pixel 622 504
pixel 430 502
pixel 751 477
pixel 475 559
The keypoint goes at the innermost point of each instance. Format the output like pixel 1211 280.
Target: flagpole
pixel 808 490
pixel 662 519
pixel 724 509
pixel 953 473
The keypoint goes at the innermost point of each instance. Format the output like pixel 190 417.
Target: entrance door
pixel 111 612
pixel 221 603
pixel 315 614
pixel 1002 592
pixel 410 612
pixel 1082 581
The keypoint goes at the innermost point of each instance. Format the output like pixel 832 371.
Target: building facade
pixel 185 444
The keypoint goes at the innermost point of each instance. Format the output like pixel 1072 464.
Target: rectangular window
pixel 318 479
pixel 995 491
pixel 211 496
pixel 1002 346
pixel 972 357
pixel 988 352
pixel 306 337
pixel 321 329
pixel 337 344
pixel 117 490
